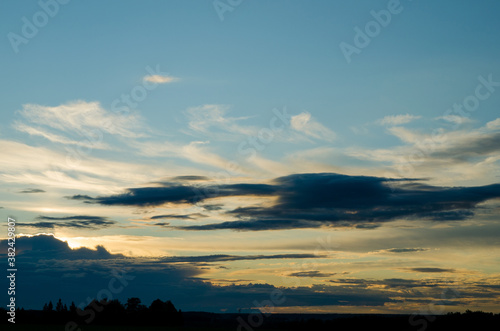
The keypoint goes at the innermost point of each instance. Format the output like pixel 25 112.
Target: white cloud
pixel 196 153
pixel 304 123
pixel 160 79
pixel 455 119
pixel 406 135
pixel 317 159
pixel 271 167
pixel 212 122
pixel 57 138
pixel 493 125
pixel 87 119
pixel 397 119
pixel 458 157
pixel 206 118
pixel 40 166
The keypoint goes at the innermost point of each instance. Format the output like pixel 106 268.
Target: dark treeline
pixel 452 321
pixel 345 322
pixel 103 312
pixel 163 313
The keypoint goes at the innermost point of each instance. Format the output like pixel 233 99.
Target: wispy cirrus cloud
pixel 447 156
pixel 455 119
pixel 160 79
pixel 397 119
pixel 212 120
pixel 453 145
pixel 86 119
pixel 493 125
pixel 33 131
pixel 52 169
pixel 304 123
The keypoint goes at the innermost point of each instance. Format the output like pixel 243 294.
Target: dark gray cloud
pixel 479 145
pixel 251 225
pixel 312 274
pixel 431 270
pixel 189 178
pixel 32 190
pixel 444 291
pixel 52 270
pixel 393 283
pixel 163 224
pixel 78 221
pixel 213 207
pixel 175 193
pixel 170 216
pixel 176 216
pixel 406 250
pixel 47 247
pixel 319 200
pixel 229 258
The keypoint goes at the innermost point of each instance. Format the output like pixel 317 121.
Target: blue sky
pixel 86 165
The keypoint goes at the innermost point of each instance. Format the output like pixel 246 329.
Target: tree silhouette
pixel 48 307
pixel 164 313
pixel 134 305
pixel 59 306
pixel 72 307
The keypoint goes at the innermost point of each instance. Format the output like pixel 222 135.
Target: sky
pixel 215 153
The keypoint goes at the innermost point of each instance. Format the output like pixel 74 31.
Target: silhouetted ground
pixel 133 316
pixel 223 322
